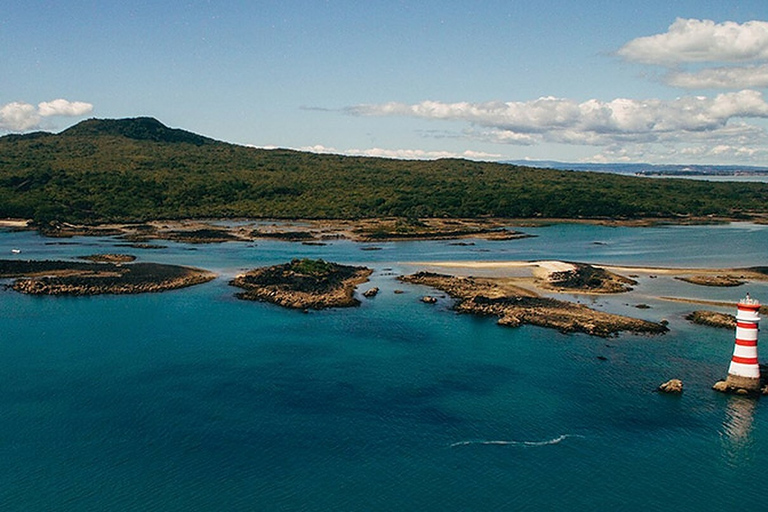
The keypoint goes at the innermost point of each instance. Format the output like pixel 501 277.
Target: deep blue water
pixel 193 400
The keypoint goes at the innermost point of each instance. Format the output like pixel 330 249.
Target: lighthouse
pixel 744 371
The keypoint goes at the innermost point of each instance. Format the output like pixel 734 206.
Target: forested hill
pixel 139 169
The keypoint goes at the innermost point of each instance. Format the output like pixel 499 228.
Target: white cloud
pixel 406 154
pixel 592 122
pixel 721 78
pixel 19 117
pixel 692 40
pixel 62 107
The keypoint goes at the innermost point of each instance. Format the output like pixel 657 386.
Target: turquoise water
pixel 192 400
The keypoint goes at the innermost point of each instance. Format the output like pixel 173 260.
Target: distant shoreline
pixel 386 229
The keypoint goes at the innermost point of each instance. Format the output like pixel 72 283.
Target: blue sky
pixel 651 81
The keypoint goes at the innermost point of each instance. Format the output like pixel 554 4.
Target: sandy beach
pixel 13 223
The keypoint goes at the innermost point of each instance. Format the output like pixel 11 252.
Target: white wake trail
pixel 556 440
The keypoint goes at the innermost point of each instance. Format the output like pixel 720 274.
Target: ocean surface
pixel 194 400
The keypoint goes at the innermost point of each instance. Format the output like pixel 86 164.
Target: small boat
pixel 16 251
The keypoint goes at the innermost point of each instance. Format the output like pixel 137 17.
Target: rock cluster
pixel 672 386
pixel 712 319
pixel 109 258
pixel 585 277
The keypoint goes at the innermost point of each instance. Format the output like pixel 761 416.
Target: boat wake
pixel 556 440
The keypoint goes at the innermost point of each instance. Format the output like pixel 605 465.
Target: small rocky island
pixel 515 306
pixel 303 284
pixel 585 278
pixel 100 277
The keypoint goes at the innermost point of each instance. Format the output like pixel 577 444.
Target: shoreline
pixel 375 229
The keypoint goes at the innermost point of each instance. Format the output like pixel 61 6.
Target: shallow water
pixel 192 400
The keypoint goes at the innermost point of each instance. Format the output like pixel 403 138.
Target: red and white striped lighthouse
pixel 744 371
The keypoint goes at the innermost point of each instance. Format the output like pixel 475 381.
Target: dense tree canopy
pixel 138 169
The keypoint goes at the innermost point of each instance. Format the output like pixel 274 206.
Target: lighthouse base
pixel 739 385
pixel 740 382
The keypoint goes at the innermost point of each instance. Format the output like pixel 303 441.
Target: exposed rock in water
pixel 200 236
pixel 585 277
pixel 109 258
pixel 705 280
pixel 303 284
pixel 484 297
pixel 673 386
pixel 142 245
pixel 712 319
pixel 288 236
pixel 371 292
pixel 428 299
pixel 81 278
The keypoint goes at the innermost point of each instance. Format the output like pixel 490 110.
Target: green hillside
pixel 139 169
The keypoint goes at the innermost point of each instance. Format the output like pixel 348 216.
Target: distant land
pixel 134 170
pixel 643 169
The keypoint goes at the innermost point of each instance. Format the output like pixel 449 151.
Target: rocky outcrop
pixel 710 280
pixel 712 319
pixel 109 258
pixel 586 278
pixel 303 284
pixel 80 278
pixel 672 386
pixel 371 292
pixel 428 299
pixel 485 297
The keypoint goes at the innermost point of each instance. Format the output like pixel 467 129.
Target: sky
pixel 682 82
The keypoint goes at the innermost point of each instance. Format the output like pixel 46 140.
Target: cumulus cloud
pixel 19 116
pixel 692 40
pixel 62 107
pixel 406 154
pixel 592 122
pixel 721 78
